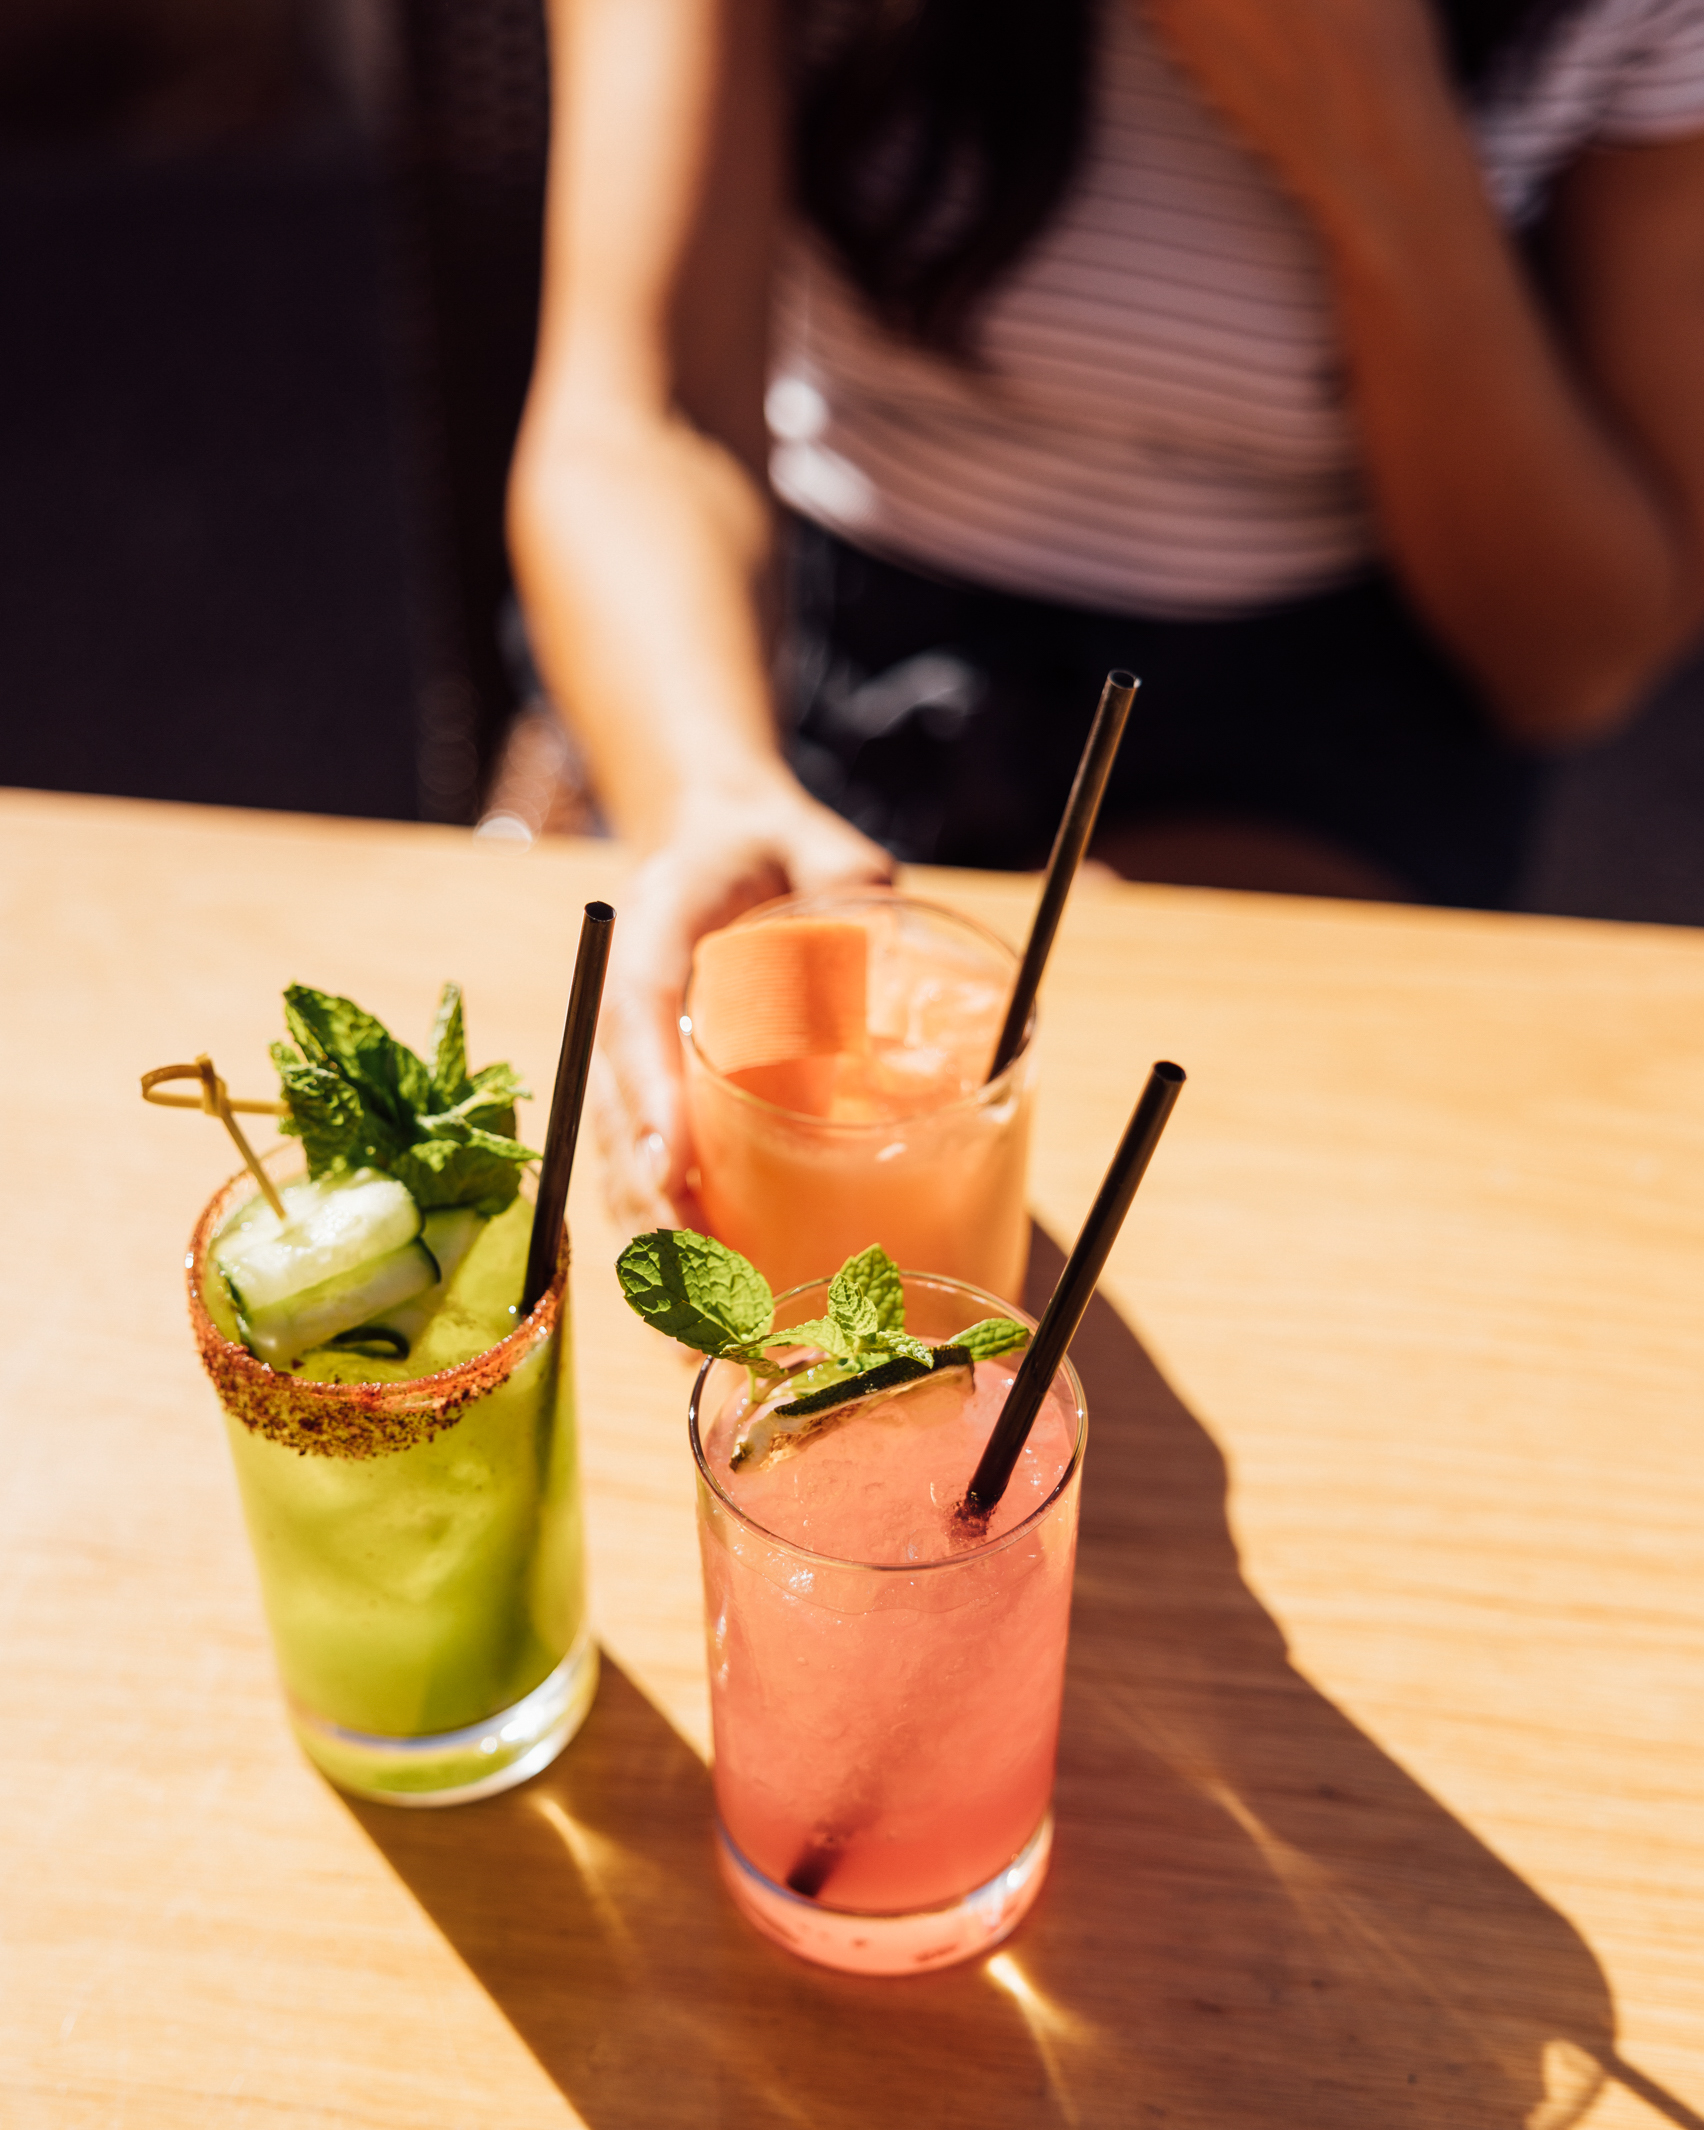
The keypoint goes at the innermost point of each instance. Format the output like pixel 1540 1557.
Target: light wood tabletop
pixel 1381 1785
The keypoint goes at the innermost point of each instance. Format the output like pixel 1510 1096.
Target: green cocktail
pixel 418 1536
pixel 409 1479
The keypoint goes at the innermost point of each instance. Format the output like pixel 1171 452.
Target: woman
pixel 1198 327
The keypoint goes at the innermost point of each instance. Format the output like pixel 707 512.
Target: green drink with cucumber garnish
pixel 403 1433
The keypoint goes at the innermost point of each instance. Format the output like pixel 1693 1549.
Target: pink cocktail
pixel 892 1138
pixel 885 1684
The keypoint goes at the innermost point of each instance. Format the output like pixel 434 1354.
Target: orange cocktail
pixel 892 1136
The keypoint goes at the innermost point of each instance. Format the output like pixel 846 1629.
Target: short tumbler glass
pixel 888 1732
pixel 943 1186
pixel 420 1552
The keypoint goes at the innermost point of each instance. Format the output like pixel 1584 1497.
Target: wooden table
pixel 1380 1783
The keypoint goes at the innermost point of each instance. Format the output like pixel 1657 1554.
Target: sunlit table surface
pixel 1381 1790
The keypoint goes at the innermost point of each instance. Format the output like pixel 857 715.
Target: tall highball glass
pixel 419 1550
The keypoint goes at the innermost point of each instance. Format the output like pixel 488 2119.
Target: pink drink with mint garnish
pixel 885 1682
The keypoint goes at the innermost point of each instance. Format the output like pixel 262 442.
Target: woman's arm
pixel 640 522
pixel 1541 498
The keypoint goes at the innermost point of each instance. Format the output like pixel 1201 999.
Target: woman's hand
pixel 728 855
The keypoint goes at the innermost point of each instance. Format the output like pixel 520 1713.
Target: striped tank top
pixel 1159 424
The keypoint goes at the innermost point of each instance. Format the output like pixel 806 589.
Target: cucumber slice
pixel 449 1234
pixel 373 1342
pixel 281 1332
pixel 330 1227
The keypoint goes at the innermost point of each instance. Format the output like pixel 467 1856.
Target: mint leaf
pixel 995 1334
pixel 875 1275
pixel 866 1315
pixel 325 1113
pixel 478 1169
pixel 338 1125
pixel 491 1097
pixel 449 1049
pixel 360 1099
pixel 820 1331
pixel 698 1291
pixel 332 1031
pixel 901 1342
pixel 851 1307
pixel 709 1297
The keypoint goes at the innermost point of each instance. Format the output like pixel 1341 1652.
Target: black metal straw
pixel 563 1130
pixel 1077 826
pixel 1076 1284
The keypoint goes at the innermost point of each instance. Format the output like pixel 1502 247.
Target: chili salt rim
pixel 355 1421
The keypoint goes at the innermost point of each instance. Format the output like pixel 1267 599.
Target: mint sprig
pixel 709 1297
pixel 698 1291
pixel 360 1099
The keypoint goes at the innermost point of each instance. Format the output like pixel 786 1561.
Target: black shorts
pixel 946 719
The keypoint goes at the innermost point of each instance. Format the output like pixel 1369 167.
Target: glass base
pixel 454 1767
pixel 890 1945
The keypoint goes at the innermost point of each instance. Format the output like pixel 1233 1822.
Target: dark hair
pixel 934 139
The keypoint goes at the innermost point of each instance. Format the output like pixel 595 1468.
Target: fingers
pixel 725 860
pixel 636 1161
pixel 822 851
pixel 638 1098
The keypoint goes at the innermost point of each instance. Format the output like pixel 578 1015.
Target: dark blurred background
pixel 269 274
pixel 269 270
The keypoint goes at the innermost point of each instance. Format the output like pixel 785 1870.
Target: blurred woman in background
pixel 1336 366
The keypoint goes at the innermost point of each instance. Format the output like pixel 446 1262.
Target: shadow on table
pixel 1256 1920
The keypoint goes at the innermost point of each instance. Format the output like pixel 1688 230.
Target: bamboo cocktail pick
pixel 214 1101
